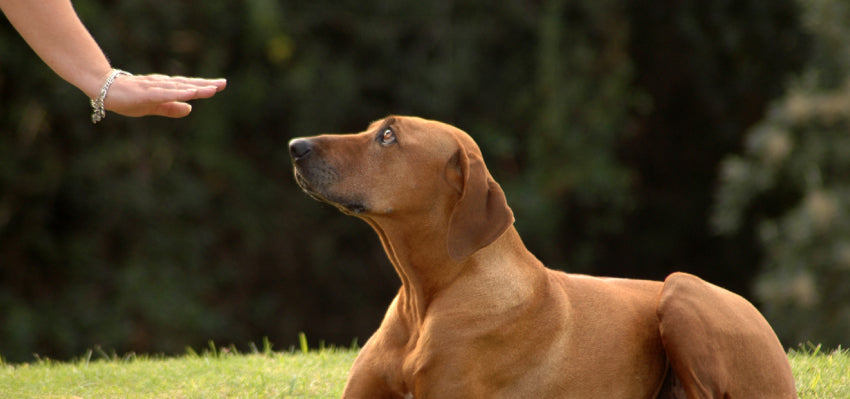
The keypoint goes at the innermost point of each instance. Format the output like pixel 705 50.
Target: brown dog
pixel 478 316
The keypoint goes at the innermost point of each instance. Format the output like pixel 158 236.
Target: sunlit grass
pixel 821 374
pixel 298 373
pixel 216 373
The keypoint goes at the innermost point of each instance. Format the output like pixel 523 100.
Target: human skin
pixel 54 31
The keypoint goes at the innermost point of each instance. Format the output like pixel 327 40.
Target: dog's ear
pixel 481 214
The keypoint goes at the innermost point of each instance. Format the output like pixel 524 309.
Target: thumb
pixel 173 109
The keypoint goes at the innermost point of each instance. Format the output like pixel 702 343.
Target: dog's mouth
pixel 345 205
pixel 307 187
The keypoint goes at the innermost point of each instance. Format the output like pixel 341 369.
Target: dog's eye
pixel 387 136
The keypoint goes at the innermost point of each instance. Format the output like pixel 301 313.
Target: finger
pixel 219 84
pixel 173 109
pixel 160 95
pixel 180 82
pixel 205 92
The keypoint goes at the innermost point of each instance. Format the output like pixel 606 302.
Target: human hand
pixel 141 95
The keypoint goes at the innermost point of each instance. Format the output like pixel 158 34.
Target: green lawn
pixel 223 373
pixel 220 373
pixel 821 375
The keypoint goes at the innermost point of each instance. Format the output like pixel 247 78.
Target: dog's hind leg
pixel 718 344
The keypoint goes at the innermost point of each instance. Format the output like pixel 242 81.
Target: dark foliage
pixel 604 120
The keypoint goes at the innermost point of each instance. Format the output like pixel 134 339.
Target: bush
pixel 792 183
pixel 150 235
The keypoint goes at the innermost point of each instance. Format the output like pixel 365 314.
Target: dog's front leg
pixel 376 372
pixel 362 385
pixel 365 379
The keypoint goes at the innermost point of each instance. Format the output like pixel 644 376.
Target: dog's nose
pixel 300 149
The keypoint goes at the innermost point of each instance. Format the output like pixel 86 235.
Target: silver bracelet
pixel 98 113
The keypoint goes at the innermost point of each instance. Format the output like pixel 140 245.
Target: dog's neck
pixel 424 273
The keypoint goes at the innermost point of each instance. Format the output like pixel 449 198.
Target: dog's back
pixel 615 345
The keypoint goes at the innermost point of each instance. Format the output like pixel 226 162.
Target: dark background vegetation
pixel 607 123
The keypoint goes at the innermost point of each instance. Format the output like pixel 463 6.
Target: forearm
pixel 53 30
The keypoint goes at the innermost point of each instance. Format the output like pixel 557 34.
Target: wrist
pixel 98 111
pixel 92 81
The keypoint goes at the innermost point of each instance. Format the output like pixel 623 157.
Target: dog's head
pixel 408 169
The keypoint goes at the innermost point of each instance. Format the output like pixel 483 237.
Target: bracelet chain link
pixel 98 112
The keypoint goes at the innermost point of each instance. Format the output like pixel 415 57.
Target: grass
pixel 225 373
pixel 819 374
pixel 215 373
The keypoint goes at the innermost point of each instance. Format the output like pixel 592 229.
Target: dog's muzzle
pixel 315 176
pixel 308 175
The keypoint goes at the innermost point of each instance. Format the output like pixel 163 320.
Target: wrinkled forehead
pixel 418 131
